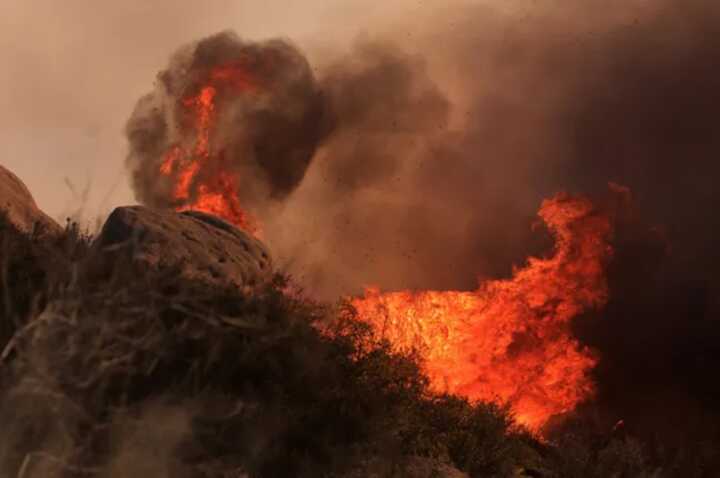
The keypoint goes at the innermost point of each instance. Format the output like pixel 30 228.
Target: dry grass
pixel 163 378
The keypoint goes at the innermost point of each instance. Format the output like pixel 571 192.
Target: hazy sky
pixel 72 71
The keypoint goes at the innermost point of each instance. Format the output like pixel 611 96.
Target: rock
pixel 20 209
pixel 24 268
pixel 198 246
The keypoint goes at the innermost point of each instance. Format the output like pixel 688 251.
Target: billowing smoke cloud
pixel 263 120
pixel 433 155
pixel 565 99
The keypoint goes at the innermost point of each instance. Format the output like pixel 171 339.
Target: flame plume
pixel 217 194
pixel 510 340
pixel 229 129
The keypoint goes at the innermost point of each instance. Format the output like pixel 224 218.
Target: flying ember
pixel 510 340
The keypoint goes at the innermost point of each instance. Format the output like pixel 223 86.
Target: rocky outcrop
pixel 198 247
pixel 19 208
pixel 29 258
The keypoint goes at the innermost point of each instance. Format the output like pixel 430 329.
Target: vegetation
pixel 159 377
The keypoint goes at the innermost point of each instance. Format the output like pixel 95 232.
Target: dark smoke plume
pixel 266 135
pixel 429 168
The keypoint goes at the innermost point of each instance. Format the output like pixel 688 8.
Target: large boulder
pixel 29 259
pixel 198 247
pixel 19 208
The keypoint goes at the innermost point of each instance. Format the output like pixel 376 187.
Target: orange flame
pixel 194 188
pixel 510 340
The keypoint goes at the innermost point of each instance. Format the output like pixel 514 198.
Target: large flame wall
pixel 510 340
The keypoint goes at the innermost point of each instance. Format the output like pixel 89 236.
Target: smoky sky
pixel 435 171
pixel 431 155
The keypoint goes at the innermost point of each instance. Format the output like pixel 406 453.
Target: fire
pixel 201 182
pixel 509 340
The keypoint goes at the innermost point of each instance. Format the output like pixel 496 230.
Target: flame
pixel 510 340
pixel 201 182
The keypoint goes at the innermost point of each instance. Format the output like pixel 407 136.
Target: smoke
pixel 269 117
pixel 423 157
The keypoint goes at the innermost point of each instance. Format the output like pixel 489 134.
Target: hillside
pixel 114 368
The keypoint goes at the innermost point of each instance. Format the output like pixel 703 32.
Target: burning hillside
pixel 405 171
pixel 413 160
pixel 510 340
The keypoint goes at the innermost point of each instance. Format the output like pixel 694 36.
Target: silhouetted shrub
pixel 163 377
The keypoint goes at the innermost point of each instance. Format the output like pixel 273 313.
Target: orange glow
pixel 200 182
pixel 185 179
pixel 510 340
pixel 233 75
pixel 171 159
pixel 221 200
pixel 204 105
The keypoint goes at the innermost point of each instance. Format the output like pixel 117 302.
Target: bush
pixel 262 390
pixel 160 377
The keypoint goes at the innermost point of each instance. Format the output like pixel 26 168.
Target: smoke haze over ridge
pixel 449 127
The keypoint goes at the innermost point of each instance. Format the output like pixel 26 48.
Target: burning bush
pixel 166 377
pixel 242 384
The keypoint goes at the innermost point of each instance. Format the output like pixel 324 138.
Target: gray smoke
pixel 265 134
pixel 430 156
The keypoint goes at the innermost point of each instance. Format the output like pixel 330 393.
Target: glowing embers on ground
pixel 510 340
pixel 201 181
